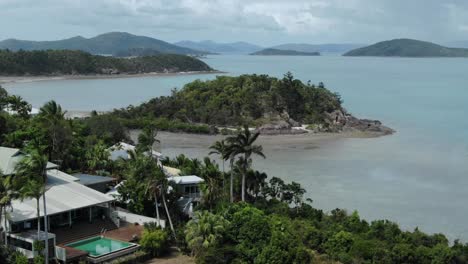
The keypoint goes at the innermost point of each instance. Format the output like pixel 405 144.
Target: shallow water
pixel 416 177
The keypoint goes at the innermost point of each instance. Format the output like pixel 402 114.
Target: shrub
pixel 155 241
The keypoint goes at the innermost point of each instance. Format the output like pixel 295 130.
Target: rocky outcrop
pixel 279 128
pixel 336 122
pixel 340 120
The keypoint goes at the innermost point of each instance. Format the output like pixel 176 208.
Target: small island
pixel 407 48
pixel 73 62
pixel 273 106
pixel 279 52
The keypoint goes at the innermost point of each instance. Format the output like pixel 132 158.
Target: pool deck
pixel 127 233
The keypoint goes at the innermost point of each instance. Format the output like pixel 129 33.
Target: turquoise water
pixel 98 246
pixel 417 177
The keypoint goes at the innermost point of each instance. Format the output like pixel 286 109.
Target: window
pixel 20 243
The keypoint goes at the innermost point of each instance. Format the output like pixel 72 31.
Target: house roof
pixel 63 195
pixel 9 157
pixel 120 150
pixel 88 179
pixel 190 179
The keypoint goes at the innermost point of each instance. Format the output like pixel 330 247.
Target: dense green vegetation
pixel 245 215
pixel 407 48
pixel 234 101
pixel 64 62
pixel 271 51
pixel 109 43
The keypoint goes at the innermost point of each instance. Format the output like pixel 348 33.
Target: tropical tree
pixel 205 230
pixel 212 186
pixel 34 167
pixel 33 188
pixel 52 119
pixel 153 180
pixel 243 145
pixel 147 139
pixel 219 148
pixel 97 157
pixel 19 105
pixel 7 194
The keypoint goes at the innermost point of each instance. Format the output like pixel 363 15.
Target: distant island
pixel 327 47
pixel 407 48
pixel 270 52
pixel 68 62
pixel 105 44
pixel 210 46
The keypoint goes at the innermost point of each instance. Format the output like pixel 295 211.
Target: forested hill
pixel 109 43
pixel 257 100
pixel 270 52
pixel 407 48
pixel 66 62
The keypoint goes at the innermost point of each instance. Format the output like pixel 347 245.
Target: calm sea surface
pixel 417 177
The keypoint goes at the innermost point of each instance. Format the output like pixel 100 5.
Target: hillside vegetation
pixel 270 51
pixel 108 43
pixel 64 62
pixel 407 48
pixel 232 101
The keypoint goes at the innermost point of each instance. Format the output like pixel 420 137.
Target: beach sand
pixel 269 142
pixel 22 79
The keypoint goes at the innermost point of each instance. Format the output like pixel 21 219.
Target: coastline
pixel 28 79
pixel 299 141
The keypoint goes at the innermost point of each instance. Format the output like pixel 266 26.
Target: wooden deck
pixel 128 233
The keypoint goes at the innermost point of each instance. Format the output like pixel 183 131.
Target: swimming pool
pixel 100 246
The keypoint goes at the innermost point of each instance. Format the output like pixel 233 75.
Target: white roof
pixel 63 194
pixel 121 149
pixel 9 157
pixel 190 179
pixel 34 111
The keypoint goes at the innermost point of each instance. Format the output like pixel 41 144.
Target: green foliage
pixel 204 231
pixel 234 101
pixel 56 62
pixel 155 241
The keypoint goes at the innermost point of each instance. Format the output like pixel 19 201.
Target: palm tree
pixel 153 186
pixel 219 148
pixel 7 194
pixel 164 189
pixel 34 167
pixel 97 157
pixel 212 189
pixel 204 230
pixel 33 189
pixel 52 117
pixel 243 144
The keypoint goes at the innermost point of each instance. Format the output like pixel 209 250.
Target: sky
pixel 264 22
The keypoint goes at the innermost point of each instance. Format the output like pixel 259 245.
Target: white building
pixel 74 210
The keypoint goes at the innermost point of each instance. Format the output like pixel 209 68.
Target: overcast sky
pixel 259 21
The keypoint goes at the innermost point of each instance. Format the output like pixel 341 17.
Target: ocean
pixel 417 177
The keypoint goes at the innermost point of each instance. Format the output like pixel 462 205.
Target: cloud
pixel 263 21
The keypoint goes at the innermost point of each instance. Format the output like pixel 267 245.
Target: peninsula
pixel 68 62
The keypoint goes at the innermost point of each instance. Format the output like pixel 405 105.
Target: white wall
pixel 140 219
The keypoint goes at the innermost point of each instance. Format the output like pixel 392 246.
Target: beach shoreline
pixel 272 142
pixel 28 79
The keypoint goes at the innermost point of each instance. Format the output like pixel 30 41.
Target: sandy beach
pixel 27 79
pixel 269 142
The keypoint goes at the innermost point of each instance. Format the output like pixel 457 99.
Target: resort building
pixel 76 209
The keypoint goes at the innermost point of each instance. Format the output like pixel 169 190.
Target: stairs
pixel 82 230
